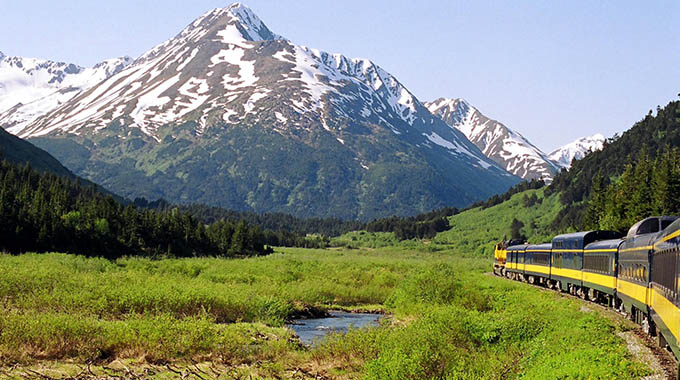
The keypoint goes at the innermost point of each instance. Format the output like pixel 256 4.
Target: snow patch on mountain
pixel 498 142
pixel 577 149
pixel 248 74
pixel 31 87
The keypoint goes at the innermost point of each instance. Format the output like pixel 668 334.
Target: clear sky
pixel 552 70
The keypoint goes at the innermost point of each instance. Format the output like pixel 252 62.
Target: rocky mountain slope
pixel 231 114
pixel 577 149
pixel 498 142
pixel 31 87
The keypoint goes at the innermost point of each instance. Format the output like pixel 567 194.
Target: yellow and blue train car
pixel 499 258
pixel 515 261
pixel 635 258
pixel 600 266
pixel 664 290
pixel 537 263
pixel 567 258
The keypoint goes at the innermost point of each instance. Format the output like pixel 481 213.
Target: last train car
pixel 567 258
pixel 635 255
pixel 664 291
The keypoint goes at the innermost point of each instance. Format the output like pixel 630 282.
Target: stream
pixel 314 329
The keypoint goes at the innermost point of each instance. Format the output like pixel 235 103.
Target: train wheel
pixel 592 295
pixel 559 286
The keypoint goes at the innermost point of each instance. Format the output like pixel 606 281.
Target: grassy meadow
pixel 445 318
pixel 474 232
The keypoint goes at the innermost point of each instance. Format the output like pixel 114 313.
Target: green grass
pixel 473 232
pixel 446 317
pixel 477 230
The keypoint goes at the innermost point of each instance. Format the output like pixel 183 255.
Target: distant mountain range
pixel 577 149
pixel 231 114
pixel 31 87
pixel 498 142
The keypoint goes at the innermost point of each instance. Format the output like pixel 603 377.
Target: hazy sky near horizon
pixel 552 70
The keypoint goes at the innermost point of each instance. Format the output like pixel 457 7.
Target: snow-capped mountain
pixel 213 114
pixel 577 149
pixel 498 142
pixel 31 87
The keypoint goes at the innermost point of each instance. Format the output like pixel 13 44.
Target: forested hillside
pixel 278 222
pixel 18 151
pixel 646 187
pixel 46 212
pixel 653 136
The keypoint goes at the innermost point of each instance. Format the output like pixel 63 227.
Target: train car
pixel 500 254
pixel 635 255
pixel 600 264
pixel 664 292
pixel 515 262
pixel 537 263
pixel 499 258
pixel 567 258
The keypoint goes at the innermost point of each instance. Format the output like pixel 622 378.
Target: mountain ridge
pixel 211 114
pixel 505 146
pixel 31 87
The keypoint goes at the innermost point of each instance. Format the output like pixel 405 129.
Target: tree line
pixel 423 226
pixel 648 186
pixel 289 225
pixel 45 212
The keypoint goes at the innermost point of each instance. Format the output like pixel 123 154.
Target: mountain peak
pixel 238 22
pixel 577 149
pixel 506 147
pixel 2 55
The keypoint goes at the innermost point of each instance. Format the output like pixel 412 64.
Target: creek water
pixel 314 329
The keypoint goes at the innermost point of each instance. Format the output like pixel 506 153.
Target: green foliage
pixel 448 319
pixel 283 227
pixel 422 226
pixel 43 212
pixel 645 188
pixel 20 152
pixel 475 231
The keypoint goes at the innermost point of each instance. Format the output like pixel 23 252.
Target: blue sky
pixel 552 70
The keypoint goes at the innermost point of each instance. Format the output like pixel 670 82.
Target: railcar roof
pixel 581 237
pixel 605 244
pixel 519 247
pixel 540 247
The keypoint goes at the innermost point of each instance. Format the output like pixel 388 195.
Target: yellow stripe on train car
pixel 537 269
pixel 568 250
pixel 564 272
pixel 600 279
pixel 667 311
pixel 645 248
pixel 632 290
pixel 600 250
pixel 669 237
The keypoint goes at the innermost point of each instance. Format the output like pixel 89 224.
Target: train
pixel 637 274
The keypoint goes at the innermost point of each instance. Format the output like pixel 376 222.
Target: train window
pixel 649 226
pixel 666 223
pixel 596 263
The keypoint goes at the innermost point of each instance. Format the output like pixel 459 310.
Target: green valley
pixel 445 318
